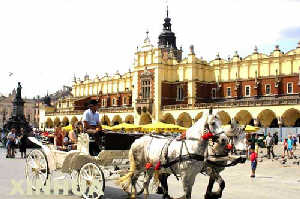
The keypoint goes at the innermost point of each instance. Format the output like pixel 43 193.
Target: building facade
pixel 259 89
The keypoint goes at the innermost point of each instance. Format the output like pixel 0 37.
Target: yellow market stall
pixel 160 127
pixel 126 127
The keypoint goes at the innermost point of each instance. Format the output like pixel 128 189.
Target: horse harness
pixel 188 157
pixel 181 158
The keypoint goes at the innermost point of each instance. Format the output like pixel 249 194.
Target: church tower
pixel 167 39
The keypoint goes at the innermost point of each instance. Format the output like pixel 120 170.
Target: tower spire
pixel 167 11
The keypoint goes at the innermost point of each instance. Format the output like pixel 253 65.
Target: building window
pixel 289 88
pixel 268 89
pixel 146 89
pixel 103 102
pixel 114 101
pixel 229 92
pixel 248 91
pixel 125 101
pixel 91 90
pixel 180 96
pixel 213 93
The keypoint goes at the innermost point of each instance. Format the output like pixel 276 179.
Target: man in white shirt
pixel 92 126
pixel 269 143
pixel 11 139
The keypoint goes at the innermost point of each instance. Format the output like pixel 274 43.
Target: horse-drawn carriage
pixel 88 172
pixel 147 156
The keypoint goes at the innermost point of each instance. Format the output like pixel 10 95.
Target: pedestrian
pixel 270 144
pixel 290 146
pixel 58 137
pixel 253 159
pixel 11 143
pixel 294 142
pixel 275 136
pixel 285 148
pixel 22 143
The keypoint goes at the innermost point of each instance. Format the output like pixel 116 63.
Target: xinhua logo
pixel 38 188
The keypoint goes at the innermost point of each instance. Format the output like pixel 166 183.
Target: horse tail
pixel 125 180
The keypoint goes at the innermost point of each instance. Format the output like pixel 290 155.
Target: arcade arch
pixel 105 120
pixel 291 118
pixel 145 119
pixel 198 116
pixel 129 119
pixel 224 117
pixel 116 120
pixel 243 117
pixel 168 118
pixel 56 122
pixel 74 120
pixel 65 121
pixel 267 118
pixel 184 120
pixel 49 123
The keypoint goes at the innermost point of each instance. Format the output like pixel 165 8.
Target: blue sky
pixel 44 43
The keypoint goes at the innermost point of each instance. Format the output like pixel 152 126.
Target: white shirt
pixel 90 117
pixel 11 136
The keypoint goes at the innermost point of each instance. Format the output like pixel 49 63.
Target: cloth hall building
pixel 259 89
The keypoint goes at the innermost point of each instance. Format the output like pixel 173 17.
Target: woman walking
pixel 22 143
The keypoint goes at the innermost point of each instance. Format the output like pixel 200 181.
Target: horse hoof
pixel 159 190
pixel 212 196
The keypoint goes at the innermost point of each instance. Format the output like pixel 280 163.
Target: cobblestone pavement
pixel 273 180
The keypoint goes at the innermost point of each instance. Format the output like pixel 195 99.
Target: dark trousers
pixel 95 143
pixel 270 151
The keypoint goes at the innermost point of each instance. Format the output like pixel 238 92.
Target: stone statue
pixel 18 95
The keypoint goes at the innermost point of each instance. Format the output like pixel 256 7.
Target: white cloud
pixel 46 42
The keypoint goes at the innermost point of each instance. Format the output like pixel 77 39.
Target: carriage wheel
pixel 36 169
pixel 139 185
pixel 91 181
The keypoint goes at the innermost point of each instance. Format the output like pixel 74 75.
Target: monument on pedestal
pixel 17 119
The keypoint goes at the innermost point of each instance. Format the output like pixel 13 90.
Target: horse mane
pixel 197 129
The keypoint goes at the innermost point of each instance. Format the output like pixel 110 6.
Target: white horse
pixel 218 148
pixel 189 153
pixel 218 159
pixel 237 139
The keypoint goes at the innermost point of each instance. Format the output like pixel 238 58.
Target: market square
pixel 171 120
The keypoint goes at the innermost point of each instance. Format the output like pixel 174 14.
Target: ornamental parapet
pixel 77 112
pixel 115 110
pixel 249 102
pixel 101 110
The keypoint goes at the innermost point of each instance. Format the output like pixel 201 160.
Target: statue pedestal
pixel 17 119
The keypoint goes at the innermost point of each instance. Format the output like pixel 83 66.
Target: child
pixel 285 147
pixel 253 159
